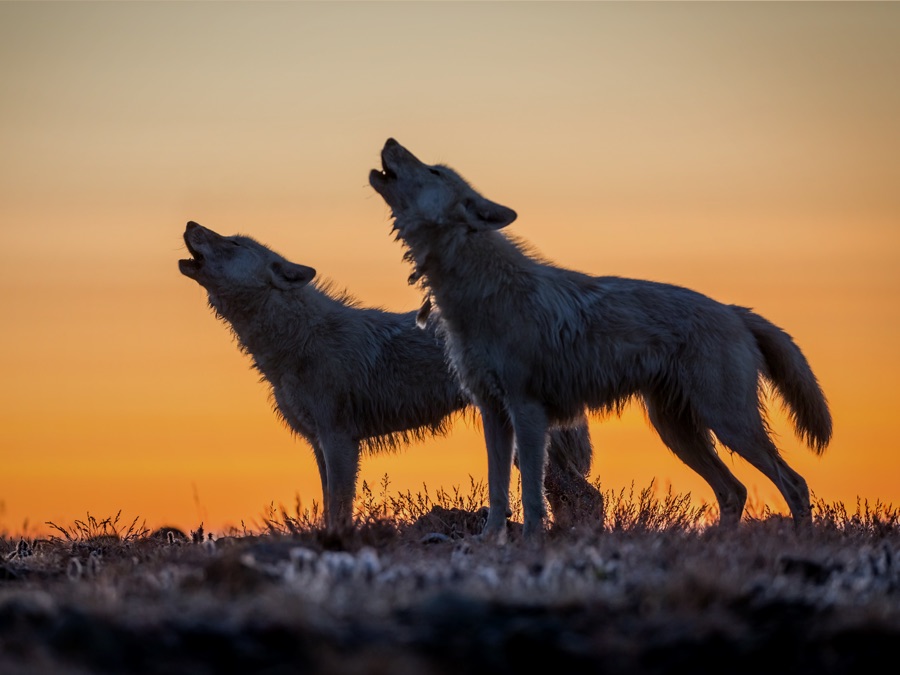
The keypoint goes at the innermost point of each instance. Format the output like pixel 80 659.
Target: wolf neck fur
pixel 486 255
pixel 280 323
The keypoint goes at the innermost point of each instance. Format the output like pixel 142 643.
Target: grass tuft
pixel 93 530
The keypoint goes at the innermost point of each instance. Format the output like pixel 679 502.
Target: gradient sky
pixel 750 151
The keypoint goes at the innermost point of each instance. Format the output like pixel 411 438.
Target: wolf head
pixel 432 196
pixel 235 267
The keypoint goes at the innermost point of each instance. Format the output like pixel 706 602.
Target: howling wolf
pixel 535 345
pixel 348 379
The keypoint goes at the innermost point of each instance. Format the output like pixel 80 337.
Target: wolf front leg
pixel 530 426
pixel 498 437
pixel 342 467
pixel 323 476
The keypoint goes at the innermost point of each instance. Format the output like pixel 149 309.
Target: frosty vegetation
pixel 411 589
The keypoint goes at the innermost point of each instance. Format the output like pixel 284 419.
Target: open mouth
pixel 382 176
pixel 387 173
pixel 386 170
pixel 382 180
pixel 190 266
pixel 194 252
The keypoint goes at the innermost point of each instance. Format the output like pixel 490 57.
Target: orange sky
pixel 750 151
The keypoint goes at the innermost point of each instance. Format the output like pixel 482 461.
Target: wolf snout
pixel 392 152
pixel 193 229
pixel 198 233
pixel 195 235
pixel 397 156
pixel 379 178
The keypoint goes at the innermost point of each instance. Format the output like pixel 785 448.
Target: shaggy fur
pixel 535 345
pixel 347 378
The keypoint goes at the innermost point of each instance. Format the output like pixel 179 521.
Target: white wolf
pixel 536 344
pixel 347 378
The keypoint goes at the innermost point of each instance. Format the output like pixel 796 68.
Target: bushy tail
pixel 789 372
pixel 570 447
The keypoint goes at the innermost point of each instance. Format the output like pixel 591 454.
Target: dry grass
pixel 657 588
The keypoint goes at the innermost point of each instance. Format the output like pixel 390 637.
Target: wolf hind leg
pixel 694 446
pixel 757 448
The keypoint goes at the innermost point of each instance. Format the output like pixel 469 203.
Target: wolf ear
pixel 286 275
pixel 483 214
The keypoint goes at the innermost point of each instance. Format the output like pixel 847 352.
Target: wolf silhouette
pixel 535 344
pixel 350 379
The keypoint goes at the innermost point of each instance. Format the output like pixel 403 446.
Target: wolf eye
pixel 435 172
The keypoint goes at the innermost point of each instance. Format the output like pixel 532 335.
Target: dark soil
pixel 429 598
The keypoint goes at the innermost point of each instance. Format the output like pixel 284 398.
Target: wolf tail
pixel 791 375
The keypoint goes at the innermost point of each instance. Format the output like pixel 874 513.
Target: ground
pixel 652 590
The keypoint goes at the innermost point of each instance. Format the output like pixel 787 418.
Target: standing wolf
pixel 347 378
pixel 535 345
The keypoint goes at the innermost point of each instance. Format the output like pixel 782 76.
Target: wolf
pixel 350 379
pixel 535 344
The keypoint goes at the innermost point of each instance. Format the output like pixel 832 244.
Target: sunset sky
pixel 750 151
